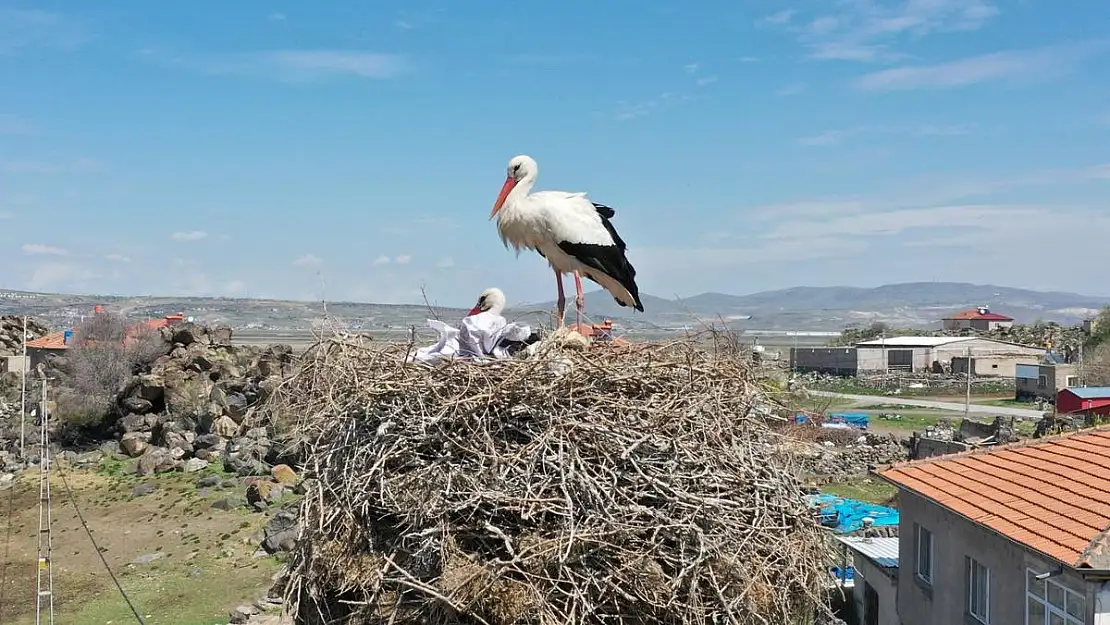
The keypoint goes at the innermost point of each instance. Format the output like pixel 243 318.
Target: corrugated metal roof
pixel 882 551
pixel 1089 392
pixel 914 341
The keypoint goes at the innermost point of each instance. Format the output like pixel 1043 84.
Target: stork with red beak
pixel 572 232
pixel 492 300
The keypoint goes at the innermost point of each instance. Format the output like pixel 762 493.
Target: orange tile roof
pixel 1050 494
pixel 56 340
pixel 975 314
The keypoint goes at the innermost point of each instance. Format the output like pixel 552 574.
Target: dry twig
pixel 632 486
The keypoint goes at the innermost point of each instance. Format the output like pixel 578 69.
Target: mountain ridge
pixel 907 304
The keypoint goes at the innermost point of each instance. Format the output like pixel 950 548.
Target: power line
pixel 7 549
pixel 96 547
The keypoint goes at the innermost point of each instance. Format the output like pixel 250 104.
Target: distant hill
pixel 911 305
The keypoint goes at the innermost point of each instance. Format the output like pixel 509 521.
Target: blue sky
pixel 265 149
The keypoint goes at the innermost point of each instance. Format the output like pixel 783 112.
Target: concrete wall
pixel 14 364
pixel 955 539
pixel 983 348
pixel 885 583
pixel 877 358
pixel 928 448
pixel 834 360
pixel 993 366
pixel 1056 379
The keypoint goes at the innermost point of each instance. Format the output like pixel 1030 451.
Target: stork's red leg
pixel 561 303
pixel 580 298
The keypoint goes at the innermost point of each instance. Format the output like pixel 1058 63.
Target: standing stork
pixel 573 233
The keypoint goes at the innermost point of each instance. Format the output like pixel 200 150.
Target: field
pixel 181 561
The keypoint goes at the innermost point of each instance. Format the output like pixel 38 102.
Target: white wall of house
pixel 885 583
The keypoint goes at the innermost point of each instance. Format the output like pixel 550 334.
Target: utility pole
pixel 967 397
pixel 1082 376
pixel 23 392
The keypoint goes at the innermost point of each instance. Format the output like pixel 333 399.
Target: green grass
pixel 1007 403
pixel 208 567
pixel 200 592
pixel 869 489
pixel 913 420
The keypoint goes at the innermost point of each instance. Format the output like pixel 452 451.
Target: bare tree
pixel 105 352
pixel 1096 365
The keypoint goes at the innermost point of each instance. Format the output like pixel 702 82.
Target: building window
pixel 1042 381
pixel 924 554
pixel 1049 603
pixel 1072 380
pixel 978 591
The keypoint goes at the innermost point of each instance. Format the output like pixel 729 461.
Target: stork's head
pixel 521 168
pixel 492 300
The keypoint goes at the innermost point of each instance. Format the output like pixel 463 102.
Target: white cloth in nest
pixel 477 336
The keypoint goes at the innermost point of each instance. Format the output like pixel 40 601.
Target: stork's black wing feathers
pixel 608 259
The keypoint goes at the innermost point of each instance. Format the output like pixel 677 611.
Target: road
pixel 1005 411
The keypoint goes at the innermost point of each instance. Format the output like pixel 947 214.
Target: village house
pixel 57 343
pixel 1091 401
pixel 1015 534
pixel 1044 380
pixel 980 318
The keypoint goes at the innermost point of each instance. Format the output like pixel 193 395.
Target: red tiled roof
pixel 56 340
pixel 975 314
pixel 1051 494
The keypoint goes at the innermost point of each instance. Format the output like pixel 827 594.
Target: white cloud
pixel 865 31
pixel 1032 64
pixel 308 260
pixel 7 215
pixel 14 125
pixel 233 288
pixel 829 137
pixel 778 19
pixel 276 17
pixel 118 258
pixel 403 259
pixel 838 136
pixel 749 59
pixel 80 165
pixel 795 88
pixel 62 277
pixel 189 235
pixel 690 68
pixel 298 66
pixel 382 260
pixel 39 248
pixel 446 263
pixel 33 28
pixel 632 110
pixel 706 80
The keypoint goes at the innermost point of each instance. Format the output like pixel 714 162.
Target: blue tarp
pixel 855 419
pixel 846 515
pixel 858 419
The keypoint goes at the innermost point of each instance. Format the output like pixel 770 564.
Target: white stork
pixel 492 300
pixel 573 233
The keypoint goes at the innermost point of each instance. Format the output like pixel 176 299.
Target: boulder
pixel 134 443
pixel 283 474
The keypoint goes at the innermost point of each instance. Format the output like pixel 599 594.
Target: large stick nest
pixel 632 485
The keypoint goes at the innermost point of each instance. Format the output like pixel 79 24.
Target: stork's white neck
pixel 522 189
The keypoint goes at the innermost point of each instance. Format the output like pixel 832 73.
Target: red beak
pixel 510 183
pixel 474 311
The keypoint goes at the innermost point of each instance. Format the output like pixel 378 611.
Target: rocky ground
pixel 185 418
pixel 11 330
